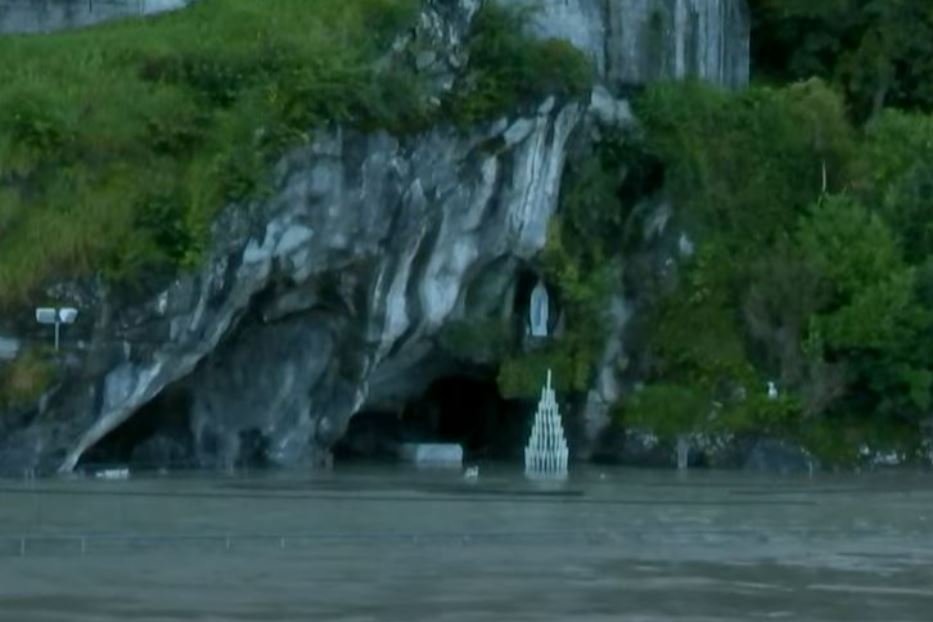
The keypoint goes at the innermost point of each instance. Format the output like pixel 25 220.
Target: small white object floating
pixel 471 473
pixel 546 454
pixel 445 455
pixel 113 474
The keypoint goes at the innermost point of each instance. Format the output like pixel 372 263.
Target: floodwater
pixel 364 544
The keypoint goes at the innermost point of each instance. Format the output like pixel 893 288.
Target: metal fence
pixel 38 545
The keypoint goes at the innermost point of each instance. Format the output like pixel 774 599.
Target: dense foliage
pixel 812 208
pixel 810 263
pixel 806 202
pixel 880 52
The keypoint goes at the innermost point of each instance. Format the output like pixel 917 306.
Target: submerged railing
pixel 38 545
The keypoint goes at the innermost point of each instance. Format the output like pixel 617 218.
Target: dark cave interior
pixel 463 409
pixel 158 436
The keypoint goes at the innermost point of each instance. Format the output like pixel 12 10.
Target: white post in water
pixel 546 454
pixel 683 453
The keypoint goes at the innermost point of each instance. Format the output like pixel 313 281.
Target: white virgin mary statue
pixel 538 311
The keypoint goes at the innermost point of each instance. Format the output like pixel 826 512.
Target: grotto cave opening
pixel 461 408
pixel 464 409
pixel 158 436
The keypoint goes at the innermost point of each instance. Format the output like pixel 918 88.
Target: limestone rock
pixel 27 16
pixel 633 42
pixel 368 247
pixel 9 348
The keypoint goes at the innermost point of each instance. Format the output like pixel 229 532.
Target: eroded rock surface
pixel 636 41
pixel 369 246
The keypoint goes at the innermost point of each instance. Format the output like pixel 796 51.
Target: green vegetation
pixel 24 380
pixel 813 264
pixel 122 142
pixel 483 341
pixel 880 52
pixel 507 69
pixel 581 263
pixel 583 288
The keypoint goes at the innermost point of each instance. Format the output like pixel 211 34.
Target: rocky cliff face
pixel 636 41
pixel 331 294
pixel 30 16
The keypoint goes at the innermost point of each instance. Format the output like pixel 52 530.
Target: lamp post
pixel 56 317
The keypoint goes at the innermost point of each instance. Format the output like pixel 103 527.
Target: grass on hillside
pixel 119 143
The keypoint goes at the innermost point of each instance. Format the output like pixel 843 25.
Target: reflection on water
pixel 392 544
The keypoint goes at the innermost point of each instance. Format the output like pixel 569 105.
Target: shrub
pixel 743 166
pixel 25 379
pixel 521 376
pixel 507 68
pixel 478 341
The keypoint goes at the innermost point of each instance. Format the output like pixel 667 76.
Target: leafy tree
pixel 897 178
pixel 813 267
pixel 879 51
pixel 740 167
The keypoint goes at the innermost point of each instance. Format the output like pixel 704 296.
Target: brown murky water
pixel 391 544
